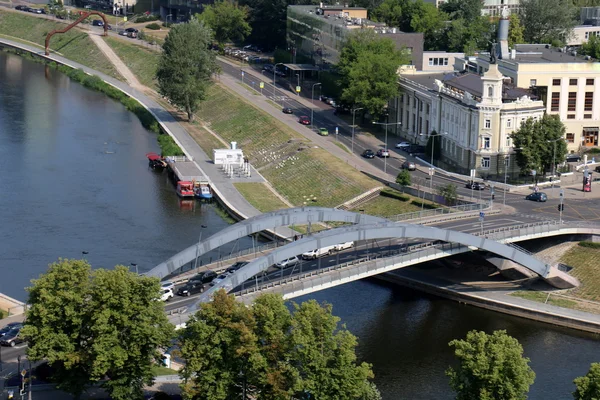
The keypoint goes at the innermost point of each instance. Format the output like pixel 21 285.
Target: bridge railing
pixel 439 211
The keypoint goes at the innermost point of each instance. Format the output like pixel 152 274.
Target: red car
pixel 304 120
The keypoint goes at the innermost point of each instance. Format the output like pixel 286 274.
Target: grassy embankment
pixel 260 196
pixel 392 202
pixel 3 314
pixel 142 61
pixel 74 45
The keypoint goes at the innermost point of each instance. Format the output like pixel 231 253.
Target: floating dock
pixel 186 170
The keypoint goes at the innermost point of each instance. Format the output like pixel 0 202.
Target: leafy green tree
pixel 468 10
pixel 368 69
pixel 395 13
pixel 515 31
pixel 91 325
pixel 490 367
pixel 268 352
pixel 186 65
pixel 591 47
pixel 545 21
pixel 403 178
pixel 427 18
pixel 267 19
pixel 228 21
pixel 540 143
pixel 588 386
pixel 448 192
pixel 469 35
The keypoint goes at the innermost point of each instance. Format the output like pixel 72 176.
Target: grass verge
pixel 141 61
pixel 260 196
pixel 207 141
pixel 584 261
pixel 398 203
pixel 159 370
pixel 343 147
pixel 3 314
pixel 541 297
pixel 74 44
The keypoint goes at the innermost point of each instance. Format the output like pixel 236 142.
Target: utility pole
pixel 561 206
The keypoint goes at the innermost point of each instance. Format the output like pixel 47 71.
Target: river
pixel 74 178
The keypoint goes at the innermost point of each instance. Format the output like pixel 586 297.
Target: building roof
pixel 335 20
pixel 539 53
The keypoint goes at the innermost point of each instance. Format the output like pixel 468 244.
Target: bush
pixel 394 195
pixel 167 24
pixel 590 245
pixel 147 18
pixel 168 147
pixel 154 26
pixel 419 203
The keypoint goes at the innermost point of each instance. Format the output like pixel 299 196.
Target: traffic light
pixel 561 207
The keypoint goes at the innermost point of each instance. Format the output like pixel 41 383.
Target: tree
pixel 545 21
pixel 468 10
pixel 228 21
pixel 368 69
pixel 426 18
pixel 515 31
pixel 469 35
pixel 490 367
pixel 403 178
pixel 186 65
pixel 591 47
pixel 268 352
pixel 540 143
pixel 268 22
pixel 91 325
pixel 588 386
pixel 449 194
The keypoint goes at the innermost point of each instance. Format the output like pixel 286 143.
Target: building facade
pixel 490 7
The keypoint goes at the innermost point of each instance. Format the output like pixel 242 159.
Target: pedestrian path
pixel 115 60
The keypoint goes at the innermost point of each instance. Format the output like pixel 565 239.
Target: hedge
pixel 394 195
pixel 428 206
pixel 153 26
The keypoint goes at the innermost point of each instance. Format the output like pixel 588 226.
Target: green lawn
pixel 141 61
pixel 159 370
pixel 207 141
pixel 541 297
pixel 383 206
pixel 260 196
pixel 74 45
pixel 585 263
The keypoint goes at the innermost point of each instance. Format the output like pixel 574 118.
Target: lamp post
pixel 134 265
pixel 354 110
pixel 198 245
pixel 298 76
pixel 432 150
pixel 312 100
pixel 386 146
pixel 84 253
pixel 274 71
pixel 553 160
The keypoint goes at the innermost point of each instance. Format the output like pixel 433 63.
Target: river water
pixel 73 178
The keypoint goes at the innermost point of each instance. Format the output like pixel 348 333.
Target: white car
pixel 403 145
pixel 288 262
pixel 166 294
pixel 311 255
pixel 344 246
pixel 219 279
pixel 167 285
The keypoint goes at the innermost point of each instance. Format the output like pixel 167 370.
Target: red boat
pixel 185 189
pixel 156 161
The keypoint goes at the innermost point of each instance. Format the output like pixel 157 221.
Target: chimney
pixel 233 145
pixel 513 54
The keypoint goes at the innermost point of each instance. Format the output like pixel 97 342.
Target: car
pixel 287 110
pixel 88 7
pixel 132 35
pixel 204 276
pixel 368 153
pixel 236 266
pixel 248 47
pixel 97 22
pixel 166 294
pixel 133 30
pixel 384 153
pixel 573 158
pixel 597 169
pixel 537 196
pixel 403 145
pixel 313 254
pixel 279 73
pixel 219 279
pixel 304 120
pixel 323 132
pixel 416 149
pixel 343 246
pixel 288 262
pixel 268 67
pixel 21 8
pixel 9 327
pixel 475 185
pixel 36 10
pixel 190 288
pixel 409 165
pixel 167 285
pixel 12 337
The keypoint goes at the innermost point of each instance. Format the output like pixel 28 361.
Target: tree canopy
pixel 265 351
pixel 591 47
pixel 490 367
pixel 463 9
pixel 515 31
pixel 588 386
pixel 540 143
pixel 267 20
pixel 91 325
pixel 227 19
pixel 403 178
pixel 547 21
pixel 368 69
pixel 186 65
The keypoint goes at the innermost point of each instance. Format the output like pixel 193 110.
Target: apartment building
pixel 490 7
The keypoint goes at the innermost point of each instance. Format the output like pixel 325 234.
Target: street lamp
pixel 553 160
pixel 312 100
pixel 432 150
pixel 275 70
pixel 84 253
pixel 386 146
pixel 202 227
pixel 354 110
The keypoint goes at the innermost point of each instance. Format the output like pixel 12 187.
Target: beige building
pixel 582 34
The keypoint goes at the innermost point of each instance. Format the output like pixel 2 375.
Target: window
pixel 589 101
pixel 570 138
pixel 587 116
pixel 556 82
pixel 573 82
pixel 571 116
pixel 508 144
pixel 589 81
pixel 509 123
pixel 427 109
pixel 506 161
pixel 487 123
pixel 490 91
pixel 486 142
pixel 532 82
pixel 555 103
pixel 485 162
pixel 572 104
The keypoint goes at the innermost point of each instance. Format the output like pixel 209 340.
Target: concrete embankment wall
pixel 489 304
pixel 12 306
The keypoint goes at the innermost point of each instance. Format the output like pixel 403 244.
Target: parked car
pixel 475 185
pixel 409 165
pixel 132 35
pixel 12 337
pixel 384 153
pixel 287 110
pixel 268 67
pixel 219 279
pixel 36 10
pixel 9 327
pixel 236 266
pixel 288 262
pixel 313 254
pixel 304 120
pixel 97 22
pixel 323 132
pixel 21 8
pixel 343 246
pixel 368 153
pixel 403 145
pixel 537 196
pixel 133 30
pixel 204 276
pixel 166 294
pixel 416 149
pixel 167 285
pixel 573 157
pixel 190 288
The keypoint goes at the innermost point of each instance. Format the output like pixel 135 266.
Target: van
pixel 313 254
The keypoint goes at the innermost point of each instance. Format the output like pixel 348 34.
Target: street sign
pixel 23 373
pixel 298 89
pixel 337 130
pixel 480 219
pixel 262 85
pixel 473 171
pixel 124 19
pixel 431 171
pixel 481 214
pixel 242 73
